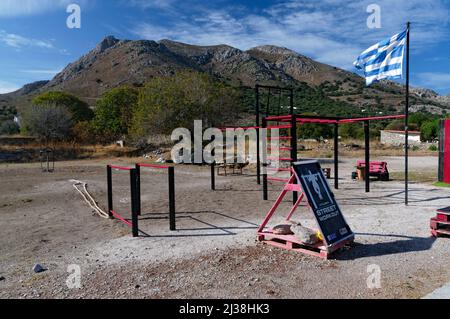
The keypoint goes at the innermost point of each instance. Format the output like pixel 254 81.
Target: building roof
pixel 401 132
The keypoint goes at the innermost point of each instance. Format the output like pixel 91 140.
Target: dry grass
pixel 416 176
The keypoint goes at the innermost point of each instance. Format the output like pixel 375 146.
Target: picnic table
pixel 377 169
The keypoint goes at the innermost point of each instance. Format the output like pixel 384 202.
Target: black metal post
pixel 367 166
pixel 134 210
pixel 213 175
pixel 258 155
pixel 336 156
pixel 408 25
pixel 110 194
pixel 138 189
pixel 172 199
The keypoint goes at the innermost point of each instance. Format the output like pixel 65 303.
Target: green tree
pixel 166 103
pixel 114 112
pixel 79 110
pixel 430 130
pixel 9 128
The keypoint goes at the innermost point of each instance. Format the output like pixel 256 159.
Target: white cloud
pixel 436 80
pixel 330 31
pixel 6 87
pixel 18 41
pixel 14 8
pixel 147 4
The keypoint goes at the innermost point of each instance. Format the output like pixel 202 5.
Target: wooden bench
pixel 378 169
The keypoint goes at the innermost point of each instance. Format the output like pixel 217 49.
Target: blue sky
pixel 35 42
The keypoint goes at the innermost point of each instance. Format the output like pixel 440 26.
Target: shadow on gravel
pixel 221 230
pixel 418 195
pixel 403 244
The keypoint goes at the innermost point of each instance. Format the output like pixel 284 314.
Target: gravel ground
pixel 213 254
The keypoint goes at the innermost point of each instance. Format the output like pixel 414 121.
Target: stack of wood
pixel 440 225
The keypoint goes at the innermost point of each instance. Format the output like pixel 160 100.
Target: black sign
pixel 329 217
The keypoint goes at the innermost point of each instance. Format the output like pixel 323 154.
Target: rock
pixel 37 268
pixel 305 235
pixel 282 230
pixel 2 278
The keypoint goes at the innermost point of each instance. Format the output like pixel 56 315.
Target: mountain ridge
pixel 113 62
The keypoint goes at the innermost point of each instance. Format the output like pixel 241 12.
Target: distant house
pixel 397 138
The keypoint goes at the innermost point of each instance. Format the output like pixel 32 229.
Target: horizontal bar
pixel 278 127
pixel 362 119
pixel 154 166
pixel 121 218
pixel 120 168
pixel 273 179
pixel 281 117
pixel 278 169
pixel 309 120
pixel 331 120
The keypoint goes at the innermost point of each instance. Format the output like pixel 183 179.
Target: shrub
pixel 48 123
pixel 79 110
pixel 9 128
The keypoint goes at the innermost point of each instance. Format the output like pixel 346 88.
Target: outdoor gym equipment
pixel 171 176
pixel 134 198
pixel 135 189
pixel 444 152
pixel 47 159
pixel 308 180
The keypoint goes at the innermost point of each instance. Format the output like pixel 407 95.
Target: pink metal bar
pixel 274 179
pixel 282 159
pixel 362 119
pixel 278 169
pixel 294 208
pixel 278 127
pixel 126 222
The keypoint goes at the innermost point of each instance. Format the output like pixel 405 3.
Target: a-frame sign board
pixel 312 187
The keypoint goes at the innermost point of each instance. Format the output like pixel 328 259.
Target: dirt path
pixel 213 253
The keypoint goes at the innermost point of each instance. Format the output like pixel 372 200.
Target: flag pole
pixel 408 25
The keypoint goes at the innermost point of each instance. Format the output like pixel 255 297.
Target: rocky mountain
pixel 116 62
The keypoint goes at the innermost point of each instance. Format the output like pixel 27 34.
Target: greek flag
pixel 383 60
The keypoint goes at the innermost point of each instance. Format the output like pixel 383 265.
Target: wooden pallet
pixel 291 242
pixel 439 227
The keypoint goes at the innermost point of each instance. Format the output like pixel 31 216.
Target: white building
pixel 397 138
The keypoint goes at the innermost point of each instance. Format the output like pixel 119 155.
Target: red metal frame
pixel 286 118
pixel 291 242
pixel 447 151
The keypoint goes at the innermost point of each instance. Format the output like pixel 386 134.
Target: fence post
pixel 172 215
pixel 110 194
pixel 138 189
pixel 213 176
pixel 134 210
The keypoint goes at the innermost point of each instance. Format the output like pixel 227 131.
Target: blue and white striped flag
pixel 383 60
